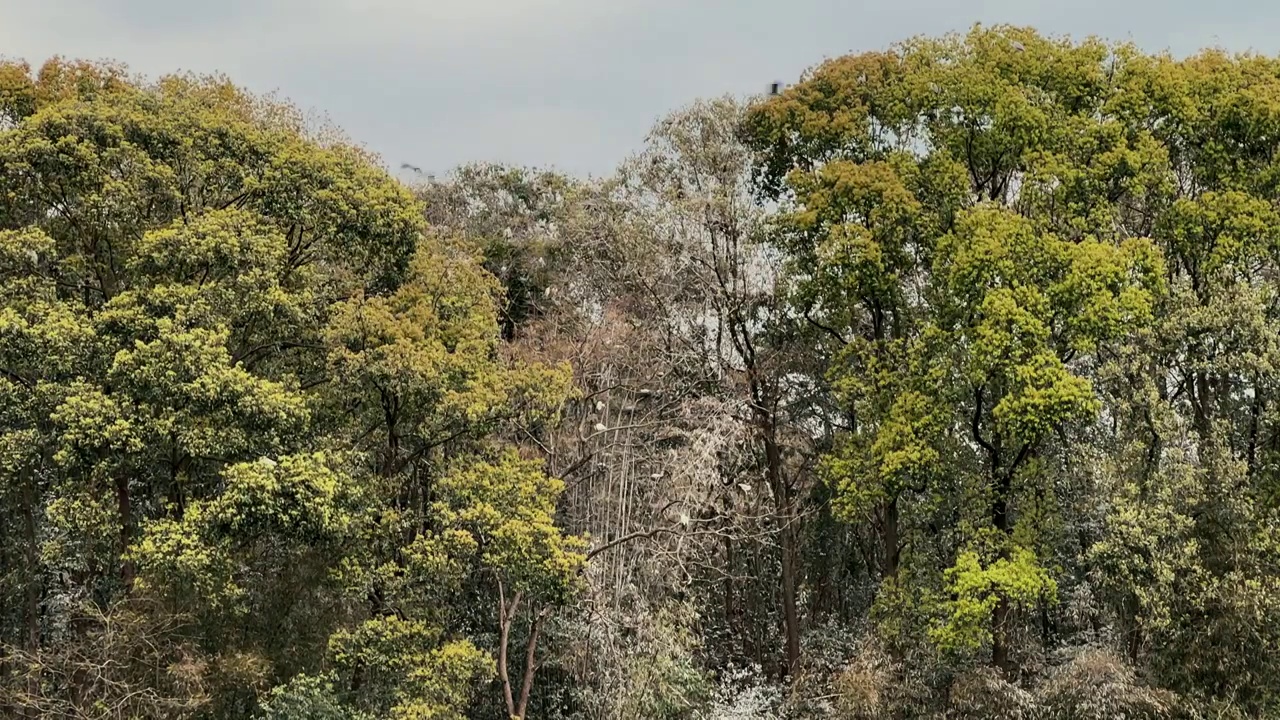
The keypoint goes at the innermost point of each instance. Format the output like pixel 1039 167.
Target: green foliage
pixel 976 589
pixel 306 698
pixel 1048 268
pixel 997 342
pixel 247 399
pixel 505 510
pixel 405 672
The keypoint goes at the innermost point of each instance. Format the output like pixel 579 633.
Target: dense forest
pixel 944 383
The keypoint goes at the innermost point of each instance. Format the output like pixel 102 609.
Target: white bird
pixel 601 427
pixel 1019 46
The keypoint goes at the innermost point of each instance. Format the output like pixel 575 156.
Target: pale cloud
pixel 570 83
pixel 493 14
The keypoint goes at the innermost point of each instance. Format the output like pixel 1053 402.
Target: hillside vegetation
pixel 943 384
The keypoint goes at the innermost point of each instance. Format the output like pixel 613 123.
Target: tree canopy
pixel 943 383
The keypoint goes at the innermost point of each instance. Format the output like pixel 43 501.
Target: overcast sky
pixel 573 84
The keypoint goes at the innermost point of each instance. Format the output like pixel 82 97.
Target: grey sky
pixel 573 84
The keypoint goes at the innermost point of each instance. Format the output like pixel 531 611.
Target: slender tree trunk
pixel 6 659
pixel 124 507
pixel 31 611
pixel 791 617
pixel 783 509
pixel 891 547
pixel 516 706
pixel 1201 406
pixel 890 539
pixel 504 636
pixel 1000 618
pixel 1002 485
pixel 999 635
pixel 530 665
pixel 1135 630
pixel 1257 407
pixel 730 618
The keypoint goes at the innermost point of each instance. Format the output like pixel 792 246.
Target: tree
pixel 513 216
pixel 966 218
pixel 964 312
pixel 941 384
pixel 248 404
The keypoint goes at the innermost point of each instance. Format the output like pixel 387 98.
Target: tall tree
pixel 255 419
pixel 967 316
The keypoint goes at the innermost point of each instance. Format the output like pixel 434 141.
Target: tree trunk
pixel 783 509
pixel 1000 618
pixel 1201 406
pixel 791 618
pixel 124 506
pixel 31 611
pixel 890 539
pixel 1135 631
pixel 730 618
pixel 516 707
pixel 530 665
pixel 504 636
pixel 999 636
